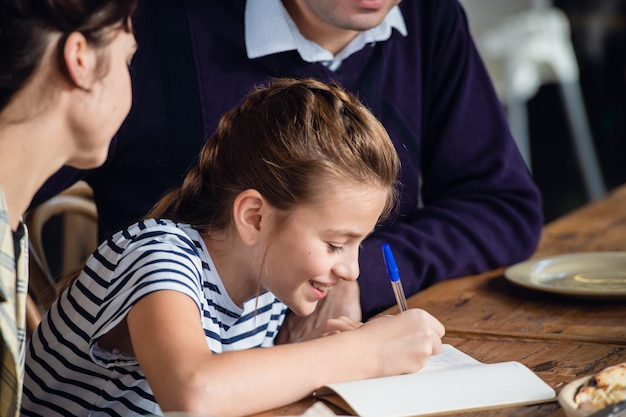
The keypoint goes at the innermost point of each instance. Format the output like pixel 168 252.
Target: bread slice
pixel 606 387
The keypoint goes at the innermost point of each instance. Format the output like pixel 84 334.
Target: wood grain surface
pixel 561 338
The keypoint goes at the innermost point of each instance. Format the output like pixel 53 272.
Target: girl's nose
pixel 348 268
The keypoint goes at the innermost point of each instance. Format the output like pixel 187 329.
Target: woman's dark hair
pixel 26 26
pixel 290 141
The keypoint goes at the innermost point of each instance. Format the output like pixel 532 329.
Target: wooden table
pixel 560 338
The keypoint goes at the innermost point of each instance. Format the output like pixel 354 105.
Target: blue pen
pixel 394 276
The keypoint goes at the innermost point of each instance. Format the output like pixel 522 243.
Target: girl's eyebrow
pixel 342 232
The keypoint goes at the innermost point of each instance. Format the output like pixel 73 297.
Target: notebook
pixel 451 381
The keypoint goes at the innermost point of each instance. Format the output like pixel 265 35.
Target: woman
pixel 64 91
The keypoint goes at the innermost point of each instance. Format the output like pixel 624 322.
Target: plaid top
pixel 13 288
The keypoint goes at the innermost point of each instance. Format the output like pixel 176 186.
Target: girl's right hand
pixel 404 342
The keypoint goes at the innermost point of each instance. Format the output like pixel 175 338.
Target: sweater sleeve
pixel 478 207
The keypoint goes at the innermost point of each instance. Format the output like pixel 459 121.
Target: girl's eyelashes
pixel 334 249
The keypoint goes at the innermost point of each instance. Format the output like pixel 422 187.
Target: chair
pixel 526 43
pixel 72 235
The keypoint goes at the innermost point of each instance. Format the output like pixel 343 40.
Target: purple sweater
pixel 477 207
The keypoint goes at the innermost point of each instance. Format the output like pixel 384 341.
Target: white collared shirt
pixel 269 29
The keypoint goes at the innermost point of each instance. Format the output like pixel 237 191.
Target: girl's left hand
pixel 342 301
pixel 330 327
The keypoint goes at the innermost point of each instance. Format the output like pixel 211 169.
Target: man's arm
pixel 479 206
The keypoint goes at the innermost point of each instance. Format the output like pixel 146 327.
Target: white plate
pixel 590 274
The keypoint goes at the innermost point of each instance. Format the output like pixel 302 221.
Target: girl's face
pixel 107 104
pixel 319 246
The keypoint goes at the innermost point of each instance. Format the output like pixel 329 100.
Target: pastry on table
pixel 604 388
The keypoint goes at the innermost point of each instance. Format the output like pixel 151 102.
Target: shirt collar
pixel 269 30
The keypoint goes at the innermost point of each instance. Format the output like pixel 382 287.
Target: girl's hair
pixel 26 26
pixel 290 141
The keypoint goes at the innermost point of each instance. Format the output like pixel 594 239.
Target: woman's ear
pixel 80 60
pixel 249 209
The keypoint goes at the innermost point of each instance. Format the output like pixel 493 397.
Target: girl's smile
pixel 320 290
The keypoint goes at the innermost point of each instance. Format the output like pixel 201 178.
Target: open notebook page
pixel 451 381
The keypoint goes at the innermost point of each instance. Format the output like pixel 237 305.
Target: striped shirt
pixel 13 288
pixel 67 373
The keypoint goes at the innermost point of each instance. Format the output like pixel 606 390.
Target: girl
pixel 64 91
pixel 180 311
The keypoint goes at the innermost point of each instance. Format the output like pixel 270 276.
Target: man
pixel 467 203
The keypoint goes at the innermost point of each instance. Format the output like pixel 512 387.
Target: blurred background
pixel 525 45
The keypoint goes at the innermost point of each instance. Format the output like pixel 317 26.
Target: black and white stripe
pixel 67 373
